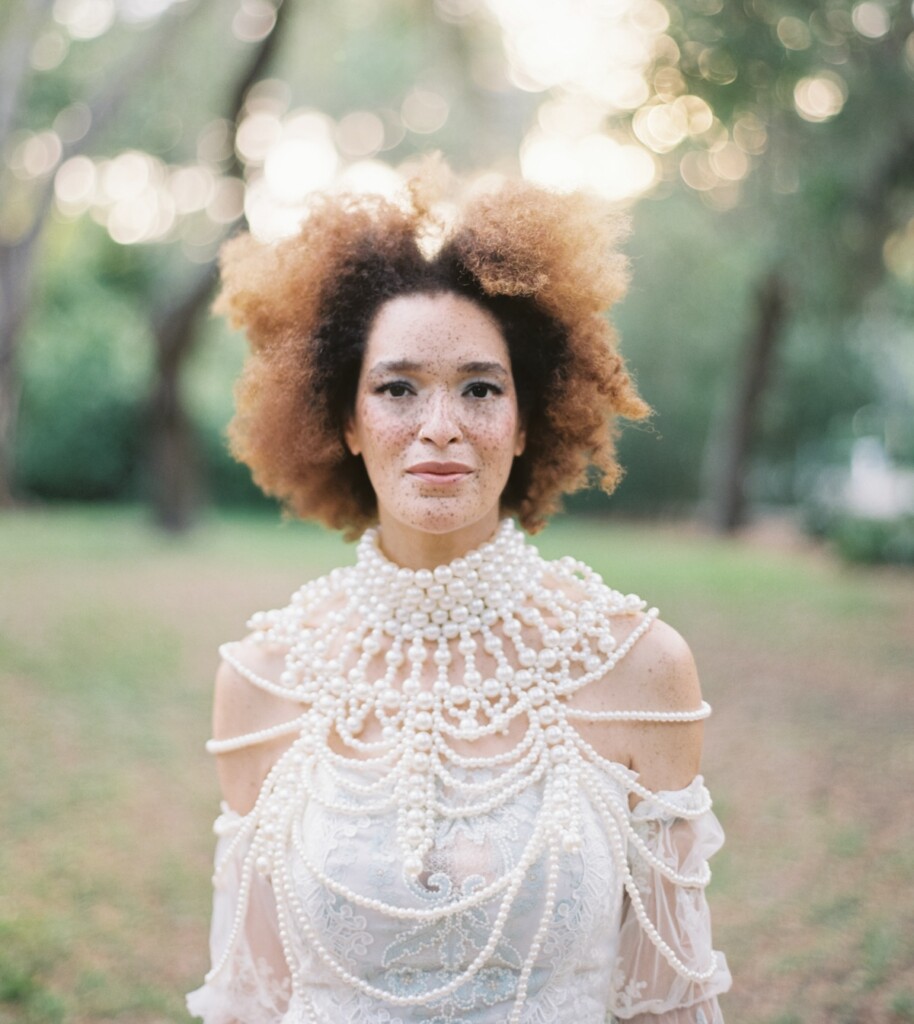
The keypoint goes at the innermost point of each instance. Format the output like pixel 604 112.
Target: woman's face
pixel 436 423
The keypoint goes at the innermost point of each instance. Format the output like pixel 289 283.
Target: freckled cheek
pixel 383 431
pixel 496 435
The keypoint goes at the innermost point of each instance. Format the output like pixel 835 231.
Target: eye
pixel 482 389
pixel 394 388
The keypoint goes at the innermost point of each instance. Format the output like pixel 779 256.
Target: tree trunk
pixel 731 447
pixel 16 255
pixel 175 488
pixel 16 263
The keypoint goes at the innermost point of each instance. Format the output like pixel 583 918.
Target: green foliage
pixel 87 361
pixel 209 378
pixel 874 540
pixel 27 955
pixel 902 1005
pixel 681 326
pixel 881 948
pixel 85 367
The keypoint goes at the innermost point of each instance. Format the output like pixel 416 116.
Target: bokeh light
pixel 597 49
pixel 820 97
pixel 296 167
pixel 593 60
pixel 599 60
pixel 85 19
pixel 49 50
pixel 750 134
pixel 871 19
pixel 729 162
pixel 257 132
pixel 73 122
pixel 36 155
pixel 615 169
pixel 74 185
pixel 254 20
pixel 898 253
pixel 570 115
pixel 717 65
pixel 394 129
pixel 360 134
pixel 794 33
pixel 424 111
pixel 144 10
pixel 371 176
pixel 456 10
pixel 663 126
pixel 696 171
pixel 215 142
pixel 192 188
pixel 227 203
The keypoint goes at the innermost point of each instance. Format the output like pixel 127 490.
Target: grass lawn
pixel 108 635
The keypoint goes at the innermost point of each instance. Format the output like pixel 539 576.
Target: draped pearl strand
pixel 425 661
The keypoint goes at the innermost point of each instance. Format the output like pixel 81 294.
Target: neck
pixel 418 549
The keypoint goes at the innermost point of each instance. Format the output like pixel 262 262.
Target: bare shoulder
pixel 657 674
pixel 241 707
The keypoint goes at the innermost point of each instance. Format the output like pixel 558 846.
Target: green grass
pixel 108 633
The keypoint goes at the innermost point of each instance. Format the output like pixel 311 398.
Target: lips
pixel 441 473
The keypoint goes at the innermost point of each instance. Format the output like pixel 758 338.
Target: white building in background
pixel 874 487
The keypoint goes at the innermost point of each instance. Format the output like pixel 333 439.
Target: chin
pixel 441 519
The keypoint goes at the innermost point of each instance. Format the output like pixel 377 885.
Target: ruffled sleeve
pixel 249 981
pixel 667 971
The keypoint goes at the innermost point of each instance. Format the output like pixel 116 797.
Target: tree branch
pixel 260 61
pixel 14 62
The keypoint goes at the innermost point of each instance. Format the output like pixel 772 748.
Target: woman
pixel 460 782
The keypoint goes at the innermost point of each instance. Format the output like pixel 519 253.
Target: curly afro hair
pixel 543 264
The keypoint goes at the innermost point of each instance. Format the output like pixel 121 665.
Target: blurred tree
pixel 399 61
pixel 777 197
pixel 813 132
pixel 174 474
pixel 27 203
pixel 85 372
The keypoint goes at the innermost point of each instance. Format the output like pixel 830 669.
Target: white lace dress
pixel 538 896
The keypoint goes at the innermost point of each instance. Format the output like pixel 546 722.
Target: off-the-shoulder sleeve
pixel 667 971
pixel 249 979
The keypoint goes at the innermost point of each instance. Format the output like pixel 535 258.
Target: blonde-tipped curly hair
pixel 544 264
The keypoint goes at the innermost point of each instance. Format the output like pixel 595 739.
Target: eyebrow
pixel 411 366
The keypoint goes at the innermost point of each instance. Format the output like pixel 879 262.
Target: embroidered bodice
pixel 439 842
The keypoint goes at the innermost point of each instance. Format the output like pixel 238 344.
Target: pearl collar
pixel 431 658
pixel 406 671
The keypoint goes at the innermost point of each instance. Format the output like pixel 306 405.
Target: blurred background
pixel 765 151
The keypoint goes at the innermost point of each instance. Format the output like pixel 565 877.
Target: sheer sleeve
pixel 249 981
pixel 667 971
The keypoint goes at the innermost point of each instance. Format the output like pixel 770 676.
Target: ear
pixel 521 442
pixel 351 437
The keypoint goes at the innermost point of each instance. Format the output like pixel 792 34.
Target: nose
pixel 440 424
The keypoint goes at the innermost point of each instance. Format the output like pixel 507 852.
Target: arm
pixel 677 833
pixel 249 980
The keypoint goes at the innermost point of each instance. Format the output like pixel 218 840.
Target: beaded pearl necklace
pixel 402 669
